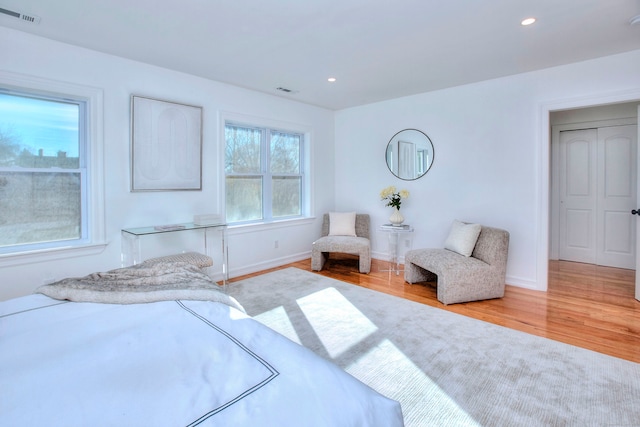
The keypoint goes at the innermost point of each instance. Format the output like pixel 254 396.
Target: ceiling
pixel 376 49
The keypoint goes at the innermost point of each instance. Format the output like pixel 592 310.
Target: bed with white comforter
pixel 170 362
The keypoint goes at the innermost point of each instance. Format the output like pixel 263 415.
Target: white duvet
pixel 171 363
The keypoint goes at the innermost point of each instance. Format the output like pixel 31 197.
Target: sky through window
pixel 40 124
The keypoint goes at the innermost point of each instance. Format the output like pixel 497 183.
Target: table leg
pixel 130 249
pixel 394 266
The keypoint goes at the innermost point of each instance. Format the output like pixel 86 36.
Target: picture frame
pixel 166 145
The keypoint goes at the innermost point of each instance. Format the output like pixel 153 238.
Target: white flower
pixel 392 197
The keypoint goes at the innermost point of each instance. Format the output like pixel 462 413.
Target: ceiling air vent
pixel 285 90
pixel 33 19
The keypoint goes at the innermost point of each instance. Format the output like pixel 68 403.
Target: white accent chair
pixel 356 245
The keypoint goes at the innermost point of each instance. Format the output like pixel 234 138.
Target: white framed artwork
pixel 166 145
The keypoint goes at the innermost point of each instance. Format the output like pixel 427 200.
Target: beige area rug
pixel 445 369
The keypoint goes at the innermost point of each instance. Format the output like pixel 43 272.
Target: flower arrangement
pixel 393 197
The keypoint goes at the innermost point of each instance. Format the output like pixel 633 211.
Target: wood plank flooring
pixel 587 306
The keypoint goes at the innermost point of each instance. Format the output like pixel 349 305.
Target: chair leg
pixel 365 263
pixel 318 259
pixel 415 274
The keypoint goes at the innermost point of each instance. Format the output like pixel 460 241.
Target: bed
pixel 108 350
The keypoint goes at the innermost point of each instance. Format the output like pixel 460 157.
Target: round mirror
pixel 409 154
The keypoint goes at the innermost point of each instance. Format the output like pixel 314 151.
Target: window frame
pixel 268 126
pixel 93 218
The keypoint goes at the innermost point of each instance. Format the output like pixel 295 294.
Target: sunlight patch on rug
pixel 336 321
pixel 387 364
pixel 278 320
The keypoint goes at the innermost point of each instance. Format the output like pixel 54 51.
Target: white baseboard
pixel 523 283
pixel 265 265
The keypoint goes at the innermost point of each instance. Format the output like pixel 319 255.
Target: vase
pixel 396 217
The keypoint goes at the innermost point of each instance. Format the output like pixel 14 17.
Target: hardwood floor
pixel 587 306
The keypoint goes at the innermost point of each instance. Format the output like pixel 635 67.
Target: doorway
pixel 597 177
pixel 593 185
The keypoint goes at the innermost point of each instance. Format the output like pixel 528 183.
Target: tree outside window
pixel 264 174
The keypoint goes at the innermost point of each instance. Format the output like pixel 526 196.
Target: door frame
pixel 543 168
pixel 637 292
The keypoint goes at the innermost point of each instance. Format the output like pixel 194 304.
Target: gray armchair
pixel 355 245
pixel 460 278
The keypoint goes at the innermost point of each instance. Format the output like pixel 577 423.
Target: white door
pixel 616 228
pixel 577 159
pixel 597 193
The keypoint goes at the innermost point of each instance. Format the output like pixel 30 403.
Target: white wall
pixel 491 142
pixel 119 79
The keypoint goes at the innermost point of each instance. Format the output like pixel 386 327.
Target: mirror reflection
pixel 409 154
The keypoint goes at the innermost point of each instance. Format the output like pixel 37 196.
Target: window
pixel 264 174
pixel 48 199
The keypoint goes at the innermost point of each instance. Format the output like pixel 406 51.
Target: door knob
pixel 635 212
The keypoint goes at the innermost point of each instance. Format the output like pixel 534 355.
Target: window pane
pixel 38 207
pixel 285 153
pixel 244 198
pixel 38 133
pixel 286 196
pixel 37 203
pixel 264 173
pixel 242 150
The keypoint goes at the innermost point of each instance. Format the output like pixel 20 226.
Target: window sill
pixel 29 257
pixel 261 226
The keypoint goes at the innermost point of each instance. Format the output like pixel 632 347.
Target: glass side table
pixel 397 234
pixel 131 251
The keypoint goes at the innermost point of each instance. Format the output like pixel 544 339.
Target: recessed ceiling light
pixel 331 79
pixel 528 21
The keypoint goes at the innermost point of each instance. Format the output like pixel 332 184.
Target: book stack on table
pixel 169 227
pixel 395 227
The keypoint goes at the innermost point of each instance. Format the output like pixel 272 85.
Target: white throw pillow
pixel 462 238
pixel 342 223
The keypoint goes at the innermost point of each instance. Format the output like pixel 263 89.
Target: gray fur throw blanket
pixel 142 283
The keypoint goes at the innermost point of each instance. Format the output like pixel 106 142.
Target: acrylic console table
pixel 131 242
pixel 394 234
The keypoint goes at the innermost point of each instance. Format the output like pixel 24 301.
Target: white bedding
pixel 168 363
